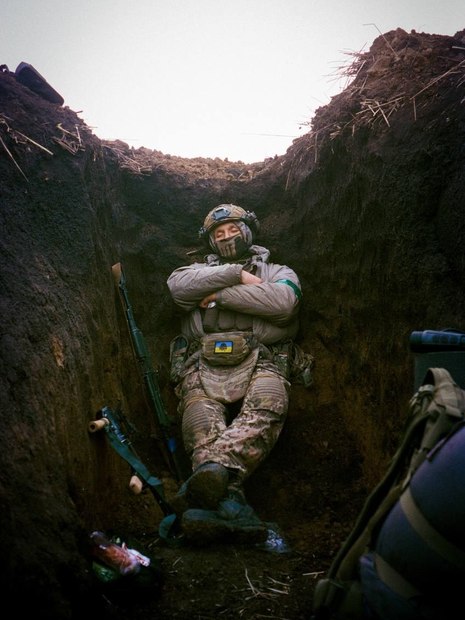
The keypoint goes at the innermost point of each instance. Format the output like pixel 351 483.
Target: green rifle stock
pixel 152 390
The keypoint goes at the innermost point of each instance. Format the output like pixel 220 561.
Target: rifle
pixel 112 423
pixel 152 390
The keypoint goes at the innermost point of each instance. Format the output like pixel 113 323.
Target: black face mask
pixel 232 248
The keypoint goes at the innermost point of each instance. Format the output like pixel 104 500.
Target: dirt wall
pixel 368 209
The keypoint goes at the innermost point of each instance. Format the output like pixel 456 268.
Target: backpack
pixel 436 410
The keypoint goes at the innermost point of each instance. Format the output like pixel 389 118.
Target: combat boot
pixel 204 489
pixel 234 522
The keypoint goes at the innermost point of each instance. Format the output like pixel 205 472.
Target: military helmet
pixel 228 213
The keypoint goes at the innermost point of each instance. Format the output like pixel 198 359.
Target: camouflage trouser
pixel 245 442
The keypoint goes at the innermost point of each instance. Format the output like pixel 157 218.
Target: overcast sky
pixel 236 79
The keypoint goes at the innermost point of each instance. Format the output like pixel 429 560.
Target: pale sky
pixel 236 79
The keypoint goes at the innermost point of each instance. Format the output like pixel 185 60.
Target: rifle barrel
pixel 152 389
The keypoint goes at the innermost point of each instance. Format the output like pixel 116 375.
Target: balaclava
pixel 235 247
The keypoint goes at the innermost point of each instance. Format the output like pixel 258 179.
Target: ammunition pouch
pixel 227 349
pixel 179 351
pixel 232 348
pixel 292 362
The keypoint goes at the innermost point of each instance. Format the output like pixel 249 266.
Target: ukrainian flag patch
pixel 223 346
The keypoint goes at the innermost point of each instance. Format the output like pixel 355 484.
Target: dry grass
pixel 69 140
pixel 18 138
pixel 129 163
pixel 352 109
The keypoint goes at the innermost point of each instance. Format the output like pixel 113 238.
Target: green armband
pixel 293 286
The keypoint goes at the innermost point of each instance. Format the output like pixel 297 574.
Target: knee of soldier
pixel 268 390
pixel 199 413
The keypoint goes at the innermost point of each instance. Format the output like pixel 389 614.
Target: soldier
pixel 233 395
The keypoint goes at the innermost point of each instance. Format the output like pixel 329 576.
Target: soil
pixel 368 209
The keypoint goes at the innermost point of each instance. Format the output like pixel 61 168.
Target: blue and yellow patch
pixel 223 346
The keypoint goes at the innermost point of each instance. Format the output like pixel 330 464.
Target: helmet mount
pixel 228 213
